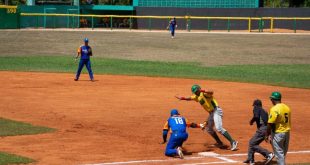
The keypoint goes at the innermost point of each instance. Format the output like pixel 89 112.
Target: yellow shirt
pixel 206 100
pixel 280 115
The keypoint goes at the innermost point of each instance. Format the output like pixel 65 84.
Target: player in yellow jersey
pixel 208 102
pixel 279 127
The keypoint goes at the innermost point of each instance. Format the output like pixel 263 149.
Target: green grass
pixel 6 159
pixel 13 128
pixel 290 75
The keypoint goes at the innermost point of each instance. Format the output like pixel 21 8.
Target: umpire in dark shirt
pixel 260 116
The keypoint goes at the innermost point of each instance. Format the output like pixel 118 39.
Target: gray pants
pixel 215 119
pixel 258 137
pixel 280 142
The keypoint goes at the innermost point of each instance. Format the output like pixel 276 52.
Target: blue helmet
pixel 85 39
pixel 174 112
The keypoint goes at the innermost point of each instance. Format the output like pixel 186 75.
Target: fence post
pixel 294 25
pixel 150 22
pixel 92 22
pixel 209 25
pixel 250 24
pixel 37 21
pixel 54 21
pixel 271 25
pixel 228 25
pixel 111 22
pixel 130 23
pixel 260 25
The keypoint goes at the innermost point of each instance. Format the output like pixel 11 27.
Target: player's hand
pixel 176 96
pixel 268 139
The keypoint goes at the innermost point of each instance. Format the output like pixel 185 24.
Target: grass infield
pixel 289 75
pixel 12 128
pixel 6 159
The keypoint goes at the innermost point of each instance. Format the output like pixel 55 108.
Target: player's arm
pixel 208 92
pixel 78 53
pixel 271 124
pixel 90 52
pixel 256 116
pixel 165 132
pixel 192 125
pixel 183 98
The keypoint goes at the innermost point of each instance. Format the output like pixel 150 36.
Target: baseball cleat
pixel 250 162
pixel 269 158
pixel 234 145
pixel 76 79
pixel 180 153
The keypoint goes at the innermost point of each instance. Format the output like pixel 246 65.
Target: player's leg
pixel 277 145
pixel 171 146
pixel 286 142
pixel 90 72
pixel 258 138
pixel 218 114
pixel 210 130
pixel 81 65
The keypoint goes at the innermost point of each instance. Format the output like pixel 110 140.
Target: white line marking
pixel 202 155
pixel 207 163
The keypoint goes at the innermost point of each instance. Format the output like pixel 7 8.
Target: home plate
pixel 208 154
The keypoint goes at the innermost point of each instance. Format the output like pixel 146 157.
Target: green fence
pixel 200 3
pixel 9 17
pixel 50 21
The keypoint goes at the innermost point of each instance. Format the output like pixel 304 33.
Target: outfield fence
pixel 258 24
pixel 11 17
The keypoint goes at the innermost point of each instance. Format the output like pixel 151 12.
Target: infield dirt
pixel 120 118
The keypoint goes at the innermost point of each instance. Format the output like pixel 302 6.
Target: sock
pixel 228 137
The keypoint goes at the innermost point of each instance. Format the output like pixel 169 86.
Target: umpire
pixel 260 116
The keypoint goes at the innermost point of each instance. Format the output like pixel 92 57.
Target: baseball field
pixel 48 119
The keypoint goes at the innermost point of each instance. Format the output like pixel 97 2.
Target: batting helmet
pixel 275 96
pixel 85 39
pixel 195 88
pixel 174 112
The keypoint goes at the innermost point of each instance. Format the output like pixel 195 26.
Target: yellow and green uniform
pixel 206 100
pixel 280 120
pixel 280 116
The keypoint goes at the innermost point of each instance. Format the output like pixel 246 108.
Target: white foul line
pixel 210 154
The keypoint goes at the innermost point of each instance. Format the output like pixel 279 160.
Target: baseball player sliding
pixel 208 102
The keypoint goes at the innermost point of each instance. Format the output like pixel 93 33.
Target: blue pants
pixel 172 29
pixel 88 66
pixel 176 140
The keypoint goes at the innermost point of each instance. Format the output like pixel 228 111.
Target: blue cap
pixel 85 39
pixel 174 112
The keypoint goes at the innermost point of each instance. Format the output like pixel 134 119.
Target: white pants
pixel 280 142
pixel 215 119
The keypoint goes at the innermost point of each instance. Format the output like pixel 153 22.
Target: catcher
pixel 208 102
pixel 177 126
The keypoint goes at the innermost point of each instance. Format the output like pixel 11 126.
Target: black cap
pixel 257 102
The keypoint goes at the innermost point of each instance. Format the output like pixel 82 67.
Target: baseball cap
pixel 257 102
pixel 174 112
pixel 85 39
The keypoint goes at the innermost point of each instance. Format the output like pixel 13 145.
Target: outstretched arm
pixel 183 98
pixel 210 92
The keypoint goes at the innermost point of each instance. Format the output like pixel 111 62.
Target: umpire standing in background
pixel 260 117
pixel 85 52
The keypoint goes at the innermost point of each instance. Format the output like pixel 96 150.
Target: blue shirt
pixel 177 124
pixel 85 52
pixel 173 23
